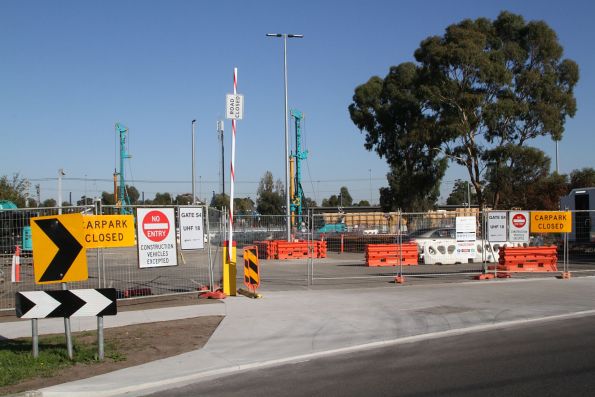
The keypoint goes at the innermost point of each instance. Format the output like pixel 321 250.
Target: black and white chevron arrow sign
pixel 66 303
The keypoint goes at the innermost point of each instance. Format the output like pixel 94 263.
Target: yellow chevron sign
pixel 251 272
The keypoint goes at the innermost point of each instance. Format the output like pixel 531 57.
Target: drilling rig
pixel 120 195
pixel 295 169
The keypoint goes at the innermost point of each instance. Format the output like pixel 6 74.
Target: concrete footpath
pixel 285 327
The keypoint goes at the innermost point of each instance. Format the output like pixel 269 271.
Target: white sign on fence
pixel 156 236
pixel 465 228
pixel 465 235
pixel 234 106
pixel 497 232
pixel 191 228
pixel 518 227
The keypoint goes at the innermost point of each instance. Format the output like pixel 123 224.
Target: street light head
pixel 296 36
pixel 193 121
pixel 274 35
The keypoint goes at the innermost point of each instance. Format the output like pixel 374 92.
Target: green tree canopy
pixel 584 177
pixel 270 196
pixel 511 171
pixel 482 85
pixel 343 199
pixel 133 194
pixel 49 203
pixel 460 194
pixel 219 201
pixel 162 199
pixel 14 189
pixel 107 198
pixel 184 199
pixel 243 206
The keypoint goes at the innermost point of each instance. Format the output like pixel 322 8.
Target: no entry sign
pixel 156 237
pixel 156 225
pixel 518 228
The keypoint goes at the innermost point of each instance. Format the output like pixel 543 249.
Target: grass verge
pixel 17 362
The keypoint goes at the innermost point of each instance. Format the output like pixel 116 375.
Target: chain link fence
pixel 334 249
pixel 113 267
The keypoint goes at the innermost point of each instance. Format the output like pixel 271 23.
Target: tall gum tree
pixel 482 86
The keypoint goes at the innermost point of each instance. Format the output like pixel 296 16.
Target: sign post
pixel 234 111
pixel 66 303
pixel 59 255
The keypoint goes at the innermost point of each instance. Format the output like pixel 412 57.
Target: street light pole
pixel 220 128
pixel 285 36
pixel 370 171
pixel 193 166
pixel 61 173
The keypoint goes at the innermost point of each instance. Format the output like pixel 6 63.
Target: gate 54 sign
pixel 59 253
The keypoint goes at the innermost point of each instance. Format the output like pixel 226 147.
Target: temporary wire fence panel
pixel 15 230
pixel 342 238
pixel 112 267
pixel 277 272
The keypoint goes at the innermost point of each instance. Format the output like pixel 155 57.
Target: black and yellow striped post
pixel 251 268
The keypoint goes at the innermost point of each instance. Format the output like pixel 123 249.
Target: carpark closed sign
pixel 105 231
pixel 551 222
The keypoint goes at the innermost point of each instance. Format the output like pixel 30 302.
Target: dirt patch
pixel 134 344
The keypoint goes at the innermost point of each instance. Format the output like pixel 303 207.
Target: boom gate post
pixel 229 270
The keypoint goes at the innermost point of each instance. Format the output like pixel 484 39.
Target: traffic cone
pixel 16 265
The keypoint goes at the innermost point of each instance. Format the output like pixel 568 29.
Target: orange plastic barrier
pixel 391 254
pixel 320 249
pixel 528 259
pixel 266 249
pixel 292 250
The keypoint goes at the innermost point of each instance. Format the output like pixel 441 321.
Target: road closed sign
pixel 156 234
pixel 551 222
pixel 518 227
pixel 234 106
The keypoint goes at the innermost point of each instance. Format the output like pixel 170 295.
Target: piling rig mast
pixel 295 187
pixel 120 195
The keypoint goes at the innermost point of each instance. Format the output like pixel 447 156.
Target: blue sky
pixel 70 70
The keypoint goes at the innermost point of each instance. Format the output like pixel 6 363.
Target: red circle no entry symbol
pixel 519 220
pixel 156 226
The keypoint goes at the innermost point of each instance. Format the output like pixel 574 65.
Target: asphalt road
pixel 543 359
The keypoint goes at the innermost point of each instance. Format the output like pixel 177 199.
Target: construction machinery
pixel 295 169
pixel 120 195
